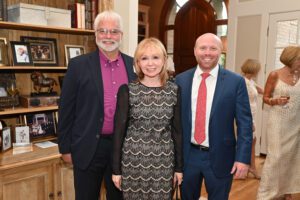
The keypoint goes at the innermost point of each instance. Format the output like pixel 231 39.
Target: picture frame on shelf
pixel 20 53
pixel 6 143
pixel 3 52
pixel 43 50
pixel 41 124
pixel 72 51
pixel 22 135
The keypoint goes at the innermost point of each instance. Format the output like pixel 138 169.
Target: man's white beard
pixel 110 48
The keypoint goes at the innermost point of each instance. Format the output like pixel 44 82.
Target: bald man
pixel 213 100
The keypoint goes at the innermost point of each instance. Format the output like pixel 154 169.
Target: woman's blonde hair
pixel 140 50
pixel 251 66
pixel 289 55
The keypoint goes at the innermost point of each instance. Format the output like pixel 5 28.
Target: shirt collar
pixel 106 60
pixel 213 72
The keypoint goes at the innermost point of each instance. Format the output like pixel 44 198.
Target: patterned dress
pixel 147 120
pixel 281 171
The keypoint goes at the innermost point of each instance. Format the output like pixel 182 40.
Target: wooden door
pixel 195 18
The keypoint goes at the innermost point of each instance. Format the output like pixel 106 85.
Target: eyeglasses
pixel 104 31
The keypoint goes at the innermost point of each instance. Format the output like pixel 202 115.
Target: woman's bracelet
pixel 270 101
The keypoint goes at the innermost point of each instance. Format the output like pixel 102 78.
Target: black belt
pixel 200 147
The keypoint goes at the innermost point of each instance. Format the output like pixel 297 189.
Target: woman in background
pixel 280 173
pixel 250 70
pixel 147 157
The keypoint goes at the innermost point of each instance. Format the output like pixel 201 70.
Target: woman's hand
pixel 282 100
pixel 117 181
pixel 177 178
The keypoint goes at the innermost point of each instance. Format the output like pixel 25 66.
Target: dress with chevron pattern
pixel 148 120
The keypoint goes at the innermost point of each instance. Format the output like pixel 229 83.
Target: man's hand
pixel 117 181
pixel 240 170
pixel 67 158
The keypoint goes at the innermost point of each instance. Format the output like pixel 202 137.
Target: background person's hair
pixel 251 66
pixel 289 55
pixel 140 50
pixel 109 14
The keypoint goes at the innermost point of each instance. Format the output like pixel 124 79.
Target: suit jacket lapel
pixel 218 91
pixel 95 70
pixel 189 85
pixel 129 68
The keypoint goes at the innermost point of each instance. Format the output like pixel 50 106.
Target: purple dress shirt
pixel 114 75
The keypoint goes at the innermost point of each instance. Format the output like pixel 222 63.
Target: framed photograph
pixel 22 134
pixel 43 50
pixel 72 51
pixel 3 52
pixel 20 53
pixel 41 124
pixel 6 139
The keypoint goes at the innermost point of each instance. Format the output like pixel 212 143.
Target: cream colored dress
pixel 281 170
pixel 253 95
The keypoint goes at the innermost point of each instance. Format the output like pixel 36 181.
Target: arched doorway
pixel 182 21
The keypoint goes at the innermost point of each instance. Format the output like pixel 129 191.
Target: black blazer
pixel 81 108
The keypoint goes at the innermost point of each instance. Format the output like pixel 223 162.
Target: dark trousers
pixel 199 168
pixel 88 182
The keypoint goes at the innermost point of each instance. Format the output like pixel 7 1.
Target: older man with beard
pixel 87 108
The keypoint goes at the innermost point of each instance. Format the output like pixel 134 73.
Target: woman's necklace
pixel 295 76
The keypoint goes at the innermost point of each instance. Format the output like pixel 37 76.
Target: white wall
pixel 248 35
pixel 128 9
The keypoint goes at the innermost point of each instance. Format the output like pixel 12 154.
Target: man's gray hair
pixel 108 14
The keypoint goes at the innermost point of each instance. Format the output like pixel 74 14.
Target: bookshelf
pixel 143 23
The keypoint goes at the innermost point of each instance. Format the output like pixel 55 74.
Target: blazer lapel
pixel 218 91
pixel 189 85
pixel 95 69
pixel 129 68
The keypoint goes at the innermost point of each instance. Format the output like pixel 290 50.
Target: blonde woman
pixel 280 173
pixel 147 157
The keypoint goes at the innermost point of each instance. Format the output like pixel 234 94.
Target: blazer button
pixel 98 136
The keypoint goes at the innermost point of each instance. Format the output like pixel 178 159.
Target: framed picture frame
pixel 3 52
pixel 6 143
pixel 43 50
pixel 72 51
pixel 22 134
pixel 21 53
pixel 41 124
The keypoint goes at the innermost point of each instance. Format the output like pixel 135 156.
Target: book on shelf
pixel 77 15
pixel 3 10
pixel 94 9
pixel 88 14
pixel 82 16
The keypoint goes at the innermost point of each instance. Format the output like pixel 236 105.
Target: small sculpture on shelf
pixel 40 82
